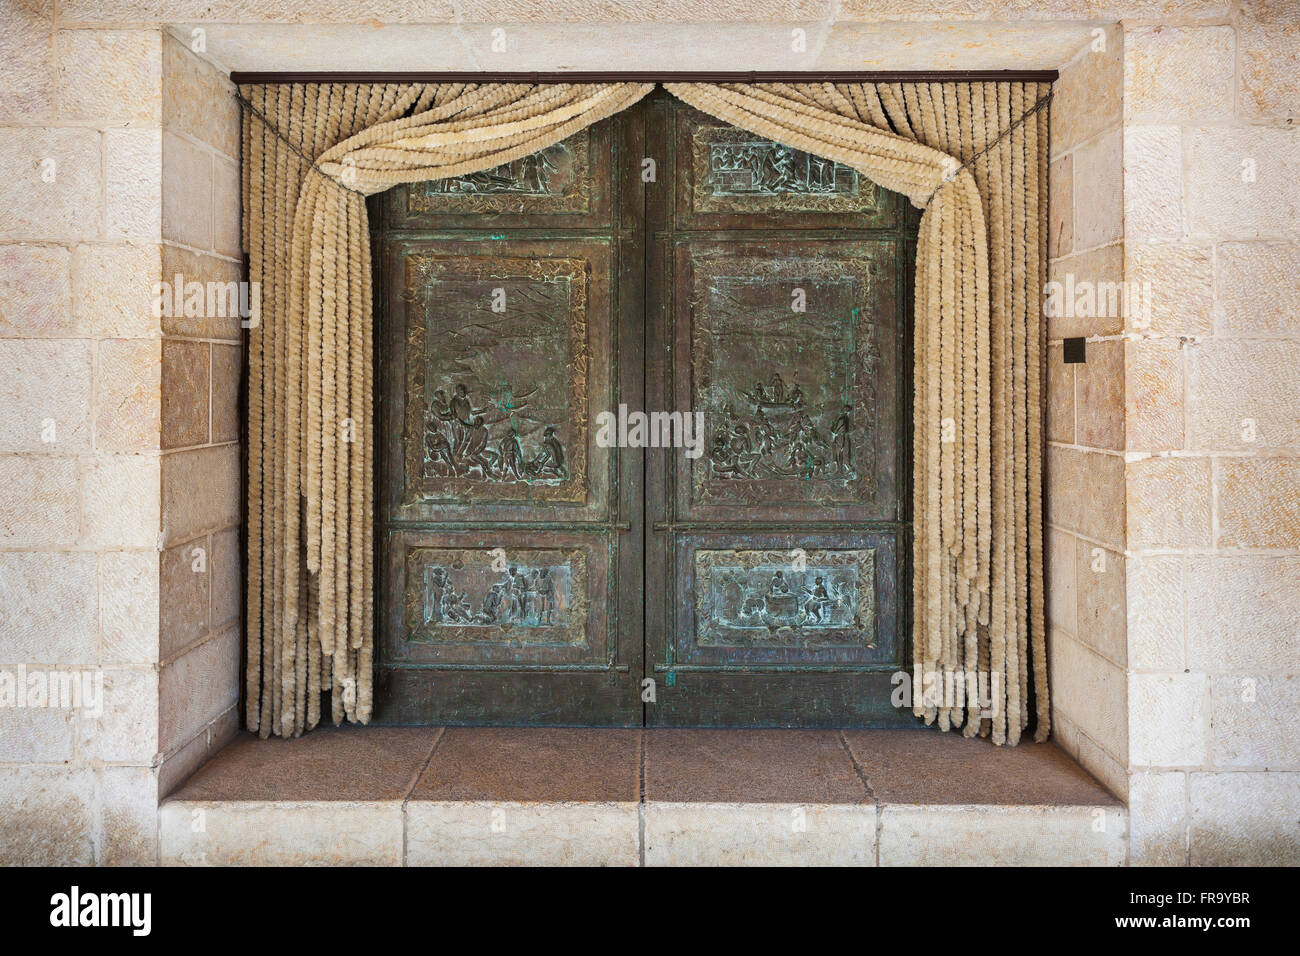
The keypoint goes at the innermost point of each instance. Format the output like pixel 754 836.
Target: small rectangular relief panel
pixel 789 599
pixel 735 178
pixel 750 598
pixel 493 599
pixel 794 367
pixel 566 184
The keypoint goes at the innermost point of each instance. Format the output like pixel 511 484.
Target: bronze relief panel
pixel 791 366
pixel 565 184
pixel 503 357
pixel 496 379
pixel 751 598
pixel 734 179
pixel 500 598
pixel 790 599
pixel 536 596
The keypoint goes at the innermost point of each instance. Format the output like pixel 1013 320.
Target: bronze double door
pixel 645 402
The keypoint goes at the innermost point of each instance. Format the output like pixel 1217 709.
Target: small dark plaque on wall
pixel 1074 352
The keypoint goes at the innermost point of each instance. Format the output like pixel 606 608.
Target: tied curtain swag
pixel 972 155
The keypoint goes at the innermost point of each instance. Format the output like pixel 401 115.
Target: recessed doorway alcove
pixel 771 754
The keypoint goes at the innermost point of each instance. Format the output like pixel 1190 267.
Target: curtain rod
pixel 811 76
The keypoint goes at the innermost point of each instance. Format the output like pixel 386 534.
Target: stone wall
pixel 1212 414
pixel 1085 538
pixel 119 453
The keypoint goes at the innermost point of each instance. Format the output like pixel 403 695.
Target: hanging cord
pixel 311 164
pixel 952 176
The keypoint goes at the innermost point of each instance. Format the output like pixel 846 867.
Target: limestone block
pixel 1269 84
pixel 128 395
pixel 1102 622
pixel 47 816
pixel 1250 275
pixel 1242 612
pixel 119 502
pixel 1099 190
pixel 1060 397
pixel 1179 277
pixel 1099 397
pixel 35 291
pixel 197 99
pixel 184 584
pixel 1253 717
pixel 48 609
pixel 1168 503
pixel 227 573
pixel 1178 73
pixel 1243 182
pixel 1091 691
pixel 113 289
pixel 1243 396
pixel 196 688
pixel 1259 503
pixel 1002 836
pixel 1158 819
pixel 185 388
pixel 110 76
pixel 1168 716
pixel 130 808
pixel 51 184
pixel 45 390
pixel 471 833
pixel 133 183
pixel 200 491
pixel 127 729
pixel 1062 588
pixel 1088 96
pixel 39 502
pixel 1153 395
pixel 128 600
pixel 757 834
pixel 1082 277
pixel 1153 183
pixel 227 211
pixel 227 369
pixel 187 192
pixel 1060 236
pixel 1155 589
pixel 342 833
pixel 36 734
pixel 1101 507
pixel 192 267
pixel 1245 819
pixel 27 51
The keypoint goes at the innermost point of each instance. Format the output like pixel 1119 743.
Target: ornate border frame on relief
pixel 460 490
pixel 711 631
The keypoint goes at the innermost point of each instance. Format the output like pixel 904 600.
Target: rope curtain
pixel 313 152
pixel 974 156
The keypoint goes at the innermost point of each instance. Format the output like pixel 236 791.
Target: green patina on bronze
pixel 530 576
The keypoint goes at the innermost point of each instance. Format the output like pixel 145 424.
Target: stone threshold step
pixel 551 796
